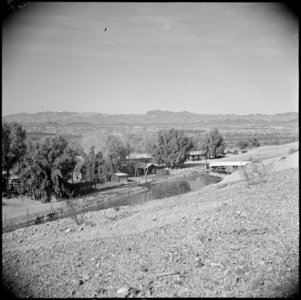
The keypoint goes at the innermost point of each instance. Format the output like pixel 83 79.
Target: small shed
pixel 196 155
pixel 120 177
pixel 150 168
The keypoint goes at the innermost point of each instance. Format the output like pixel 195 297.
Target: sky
pixel 206 58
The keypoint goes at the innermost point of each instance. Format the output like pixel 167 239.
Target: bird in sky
pixel 106 28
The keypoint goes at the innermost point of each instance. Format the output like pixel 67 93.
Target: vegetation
pixel 293 150
pixel 172 148
pixel 254 143
pixel 243 145
pixel 214 144
pixel 46 168
pixel 13 147
pixel 254 173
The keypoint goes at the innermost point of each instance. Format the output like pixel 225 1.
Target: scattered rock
pixel 123 291
pixel 100 291
pixel 143 269
pixel 199 264
pixel 85 277
pixel 261 263
pixel 216 265
pixel 67 230
pixel 133 292
pixel 80 282
pixel 244 214
pixel 146 290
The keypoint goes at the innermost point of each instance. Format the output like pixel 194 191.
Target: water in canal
pixel 163 190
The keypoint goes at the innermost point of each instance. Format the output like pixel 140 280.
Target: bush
pixel 243 145
pixel 293 150
pixel 74 214
pixel 254 173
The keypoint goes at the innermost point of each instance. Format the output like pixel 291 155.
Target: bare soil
pixel 231 241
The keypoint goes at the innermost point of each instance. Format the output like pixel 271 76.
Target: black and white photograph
pixel 150 149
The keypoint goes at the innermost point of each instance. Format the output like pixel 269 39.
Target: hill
pixel 154 116
pixel 268 129
pixel 231 241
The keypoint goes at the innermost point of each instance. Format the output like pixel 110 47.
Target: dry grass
pixel 254 173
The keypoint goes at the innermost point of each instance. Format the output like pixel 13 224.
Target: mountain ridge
pixel 152 116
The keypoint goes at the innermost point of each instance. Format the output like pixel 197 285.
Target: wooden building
pixel 144 168
pixel 196 155
pixel 139 157
pixel 119 177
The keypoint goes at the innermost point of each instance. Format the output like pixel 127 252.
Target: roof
pixel 196 152
pixel 229 163
pixel 119 174
pixel 145 165
pixel 138 156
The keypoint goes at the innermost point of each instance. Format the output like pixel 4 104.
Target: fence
pixel 31 215
pixel 55 211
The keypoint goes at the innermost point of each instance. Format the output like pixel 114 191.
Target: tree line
pixel 56 166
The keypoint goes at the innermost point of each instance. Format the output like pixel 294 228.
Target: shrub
pixel 74 214
pixel 293 150
pixel 243 145
pixel 254 173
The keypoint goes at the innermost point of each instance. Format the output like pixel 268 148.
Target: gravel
pixel 231 241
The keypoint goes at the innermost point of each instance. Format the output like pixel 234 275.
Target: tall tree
pixel 214 144
pixel 93 167
pixel 13 146
pixel 172 148
pixel 47 167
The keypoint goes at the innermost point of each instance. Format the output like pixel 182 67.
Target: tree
pixel 243 145
pixel 47 167
pixel 214 144
pixel 172 148
pixel 254 143
pixel 13 146
pixel 93 167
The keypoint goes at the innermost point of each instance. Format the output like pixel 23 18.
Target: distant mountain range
pixel 151 117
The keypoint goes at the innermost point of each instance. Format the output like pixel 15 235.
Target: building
pixel 144 168
pixel 227 166
pixel 139 157
pixel 196 155
pixel 120 177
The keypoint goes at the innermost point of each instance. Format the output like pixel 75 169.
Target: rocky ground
pixel 222 241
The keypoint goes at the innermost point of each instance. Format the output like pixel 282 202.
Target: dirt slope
pixel 235 241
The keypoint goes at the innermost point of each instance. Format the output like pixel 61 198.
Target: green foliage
pixel 172 148
pixel 214 144
pixel 13 146
pixel 47 167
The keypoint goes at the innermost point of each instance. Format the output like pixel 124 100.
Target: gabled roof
pixel 145 165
